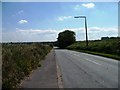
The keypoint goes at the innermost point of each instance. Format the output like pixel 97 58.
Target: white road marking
pixel 76 54
pixel 92 61
pixel 89 60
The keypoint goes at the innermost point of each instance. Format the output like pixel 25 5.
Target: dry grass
pixel 19 60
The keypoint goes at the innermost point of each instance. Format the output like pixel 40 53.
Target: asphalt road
pixel 81 70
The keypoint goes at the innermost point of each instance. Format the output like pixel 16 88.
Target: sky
pixel 59 0
pixel 43 21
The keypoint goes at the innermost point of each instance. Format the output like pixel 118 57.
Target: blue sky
pixel 42 21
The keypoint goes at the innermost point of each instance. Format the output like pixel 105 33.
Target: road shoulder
pixel 59 74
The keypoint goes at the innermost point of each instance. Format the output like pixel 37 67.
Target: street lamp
pixel 85 27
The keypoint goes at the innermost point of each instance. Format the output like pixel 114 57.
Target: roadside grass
pixel 101 54
pixel 108 48
pixel 19 60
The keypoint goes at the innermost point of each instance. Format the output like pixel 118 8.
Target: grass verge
pixel 106 47
pixel 100 54
pixel 19 60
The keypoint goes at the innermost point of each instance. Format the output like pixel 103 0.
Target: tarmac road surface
pixel 81 70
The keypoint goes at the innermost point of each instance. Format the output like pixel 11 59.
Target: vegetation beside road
pixel 19 60
pixel 109 47
pixel 65 38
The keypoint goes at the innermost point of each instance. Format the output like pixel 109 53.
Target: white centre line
pixel 76 54
pixel 90 60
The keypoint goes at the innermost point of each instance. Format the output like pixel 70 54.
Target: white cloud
pixel 29 35
pixel 22 21
pixel 102 29
pixel 119 31
pixel 59 1
pixel 20 12
pixel 36 31
pixel 88 5
pixel 62 18
pixel 51 34
pixel 77 7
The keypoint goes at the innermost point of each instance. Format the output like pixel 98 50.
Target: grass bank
pixel 107 48
pixel 19 60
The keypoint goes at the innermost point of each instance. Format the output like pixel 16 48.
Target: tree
pixel 66 38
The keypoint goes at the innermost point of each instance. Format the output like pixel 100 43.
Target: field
pixel 108 47
pixel 19 60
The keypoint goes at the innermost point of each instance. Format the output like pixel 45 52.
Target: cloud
pixel 20 12
pixel 77 7
pixel 88 5
pixel 29 35
pixel 52 34
pixel 102 29
pixel 22 21
pixel 94 32
pixel 93 29
pixel 119 31
pixel 62 18
pixel 36 31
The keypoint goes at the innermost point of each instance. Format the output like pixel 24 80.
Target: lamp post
pixel 85 27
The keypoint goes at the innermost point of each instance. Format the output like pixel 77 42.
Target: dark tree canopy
pixel 66 38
